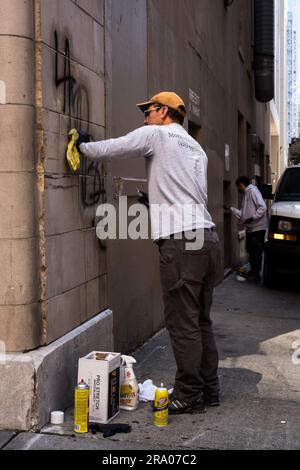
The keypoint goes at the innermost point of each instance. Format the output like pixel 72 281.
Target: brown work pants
pixel 188 279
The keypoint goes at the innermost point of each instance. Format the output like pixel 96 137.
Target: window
pixel 289 189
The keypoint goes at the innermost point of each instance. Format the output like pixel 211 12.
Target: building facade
pixel 292 76
pixel 85 63
pixel 281 105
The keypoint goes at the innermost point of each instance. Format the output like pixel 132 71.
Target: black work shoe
pixel 177 407
pixel 199 406
pixel 211 400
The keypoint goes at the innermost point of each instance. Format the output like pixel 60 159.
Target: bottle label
pixel 81 412
pixel 161 411
pixel 127 395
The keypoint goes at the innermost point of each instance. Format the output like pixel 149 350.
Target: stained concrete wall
pixel 178 45
pixel 37 382
pixel 133 275
pixel 19 314
pixel 53 275
pixel 206 47
pixel 56 274
pixel 74 259
pixel 84 64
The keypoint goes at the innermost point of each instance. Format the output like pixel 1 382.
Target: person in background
pixel 253 215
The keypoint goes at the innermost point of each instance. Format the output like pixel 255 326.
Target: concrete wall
pixel 19 314
pixel 37 382
pixel 72 34
pixel 84 64
pixel 133 269
pixel 54 274
pixel 179 45
pixel 207 48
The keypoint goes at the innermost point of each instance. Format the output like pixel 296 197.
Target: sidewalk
pixel 255 329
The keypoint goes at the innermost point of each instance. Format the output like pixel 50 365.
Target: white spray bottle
pixel 129 392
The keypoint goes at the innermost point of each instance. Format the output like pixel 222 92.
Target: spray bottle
pixel 129 396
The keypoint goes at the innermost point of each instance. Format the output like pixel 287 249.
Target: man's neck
pixel 169 121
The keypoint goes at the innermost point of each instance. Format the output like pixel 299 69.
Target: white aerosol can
pixel 129 390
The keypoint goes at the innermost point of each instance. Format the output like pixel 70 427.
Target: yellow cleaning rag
pixel 72 152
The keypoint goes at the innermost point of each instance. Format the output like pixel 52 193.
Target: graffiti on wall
pixel 76 106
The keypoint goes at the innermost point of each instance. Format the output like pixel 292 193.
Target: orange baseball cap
pixel 166 98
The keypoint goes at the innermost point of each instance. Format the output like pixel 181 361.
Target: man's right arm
pixel 236 212
pixel 137 143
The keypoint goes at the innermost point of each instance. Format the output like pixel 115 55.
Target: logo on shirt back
pixel 185 142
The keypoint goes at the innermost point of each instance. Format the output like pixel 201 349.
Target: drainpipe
pixel 40 155
pixel 264 50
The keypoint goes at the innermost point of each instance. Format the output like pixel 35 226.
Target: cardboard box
pixel 101 371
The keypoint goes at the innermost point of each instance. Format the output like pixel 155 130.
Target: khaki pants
pixel 188 278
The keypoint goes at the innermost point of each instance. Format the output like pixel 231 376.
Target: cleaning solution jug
pixel 129 390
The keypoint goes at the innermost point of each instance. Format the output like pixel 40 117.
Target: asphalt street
pixel 258 336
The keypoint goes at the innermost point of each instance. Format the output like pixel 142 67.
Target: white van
pixel 282 249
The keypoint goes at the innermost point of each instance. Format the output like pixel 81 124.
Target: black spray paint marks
pixel 76 107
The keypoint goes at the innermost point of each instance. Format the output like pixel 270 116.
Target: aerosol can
pixel 81 409
pixel 129 390
pixel 161 403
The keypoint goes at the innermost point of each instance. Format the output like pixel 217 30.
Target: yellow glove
pixel 72 152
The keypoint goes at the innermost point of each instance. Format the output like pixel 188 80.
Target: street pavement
pixel 256 330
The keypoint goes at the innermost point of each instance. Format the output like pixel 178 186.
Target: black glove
pixel 142 197
pixel 226 208
pixel 109 430
pixel 249 221
pixel 83 138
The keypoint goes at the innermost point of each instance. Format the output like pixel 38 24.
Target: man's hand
pixel 83 138
pixel 143 198
pixel 249 221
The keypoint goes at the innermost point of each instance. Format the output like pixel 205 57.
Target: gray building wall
pixel 19 316
pixel 85 64
pixel 73 95
pixel 133 275
pixel 53 275
pixel 56 274
pixel 207 48
pixel 181 45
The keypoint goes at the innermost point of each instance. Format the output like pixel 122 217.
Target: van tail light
pixel 283 236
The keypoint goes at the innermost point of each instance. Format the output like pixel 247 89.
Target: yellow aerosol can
pixel 161 403
pixel 81 408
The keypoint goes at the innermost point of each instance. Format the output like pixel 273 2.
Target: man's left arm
pixel 260 205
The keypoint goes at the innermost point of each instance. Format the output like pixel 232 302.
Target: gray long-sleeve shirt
pixel 253 206
pixel 176 168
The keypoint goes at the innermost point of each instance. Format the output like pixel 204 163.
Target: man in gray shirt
pixel 253 215
pixel 176 168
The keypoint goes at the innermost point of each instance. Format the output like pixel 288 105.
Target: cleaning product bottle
pixel 161 403
pixel 129 391
pixel 81 408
